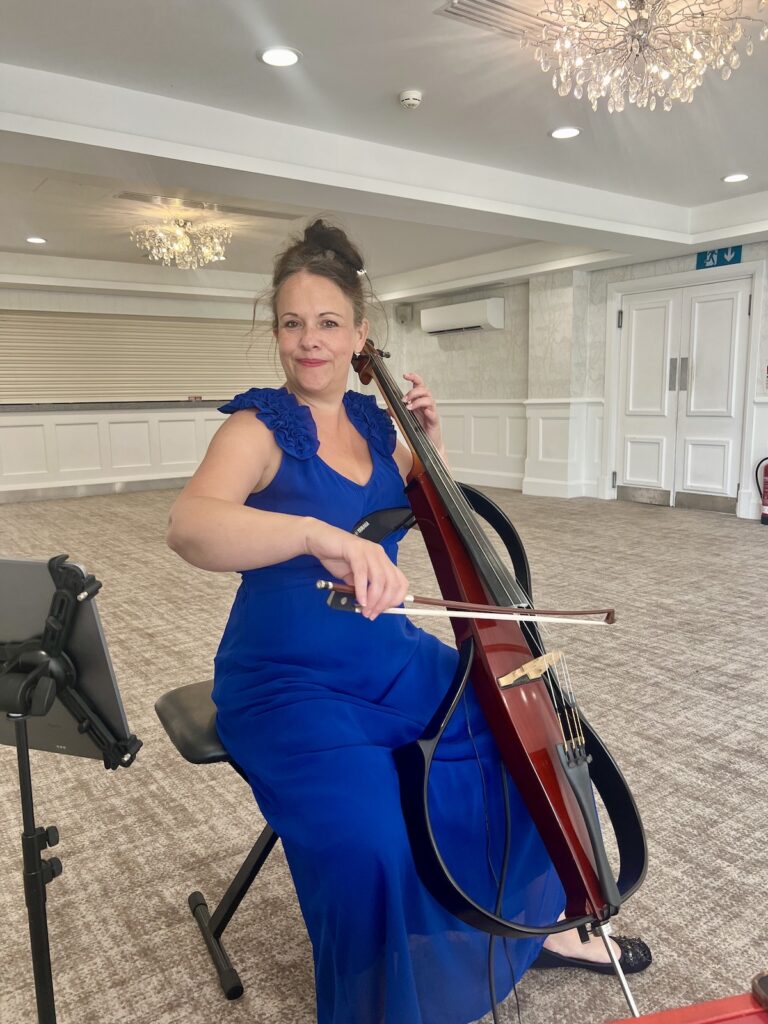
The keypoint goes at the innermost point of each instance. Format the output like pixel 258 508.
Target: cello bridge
pixel 530 671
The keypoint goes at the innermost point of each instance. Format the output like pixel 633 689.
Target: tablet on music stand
pixel 26 590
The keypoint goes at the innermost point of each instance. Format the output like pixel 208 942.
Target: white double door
pixel 682 379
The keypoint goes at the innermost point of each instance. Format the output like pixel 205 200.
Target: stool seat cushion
pixel 188 715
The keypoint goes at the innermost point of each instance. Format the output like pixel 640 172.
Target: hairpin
pixel 361 271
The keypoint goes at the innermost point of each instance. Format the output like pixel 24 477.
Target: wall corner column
pixel 565 425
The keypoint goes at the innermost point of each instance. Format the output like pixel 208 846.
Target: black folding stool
pixel 188 715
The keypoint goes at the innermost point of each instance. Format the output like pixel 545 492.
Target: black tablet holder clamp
pixel 33 673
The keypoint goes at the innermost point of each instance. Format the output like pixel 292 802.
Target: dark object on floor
pixel 635 957
pixel 760 988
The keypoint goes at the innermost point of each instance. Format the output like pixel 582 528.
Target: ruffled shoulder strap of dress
pixel 291 423
pixel 373 423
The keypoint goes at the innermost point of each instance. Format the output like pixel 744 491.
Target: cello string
pixel 575 705
pixel 553 683
pixel 440 473
pixel 517 596
pixel 562 692
pixel 561 707
pixel 553 691
pixel 428 453
pixel 466 525
pixel 563 684
pixel 507 582
pixel 504 579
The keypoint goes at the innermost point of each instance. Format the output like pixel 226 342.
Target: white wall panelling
pixel 78 447
pixel 485 441
pixel 129 444
pixel 23 450
pixel 54 453
pixel 564 447
pixel 177 439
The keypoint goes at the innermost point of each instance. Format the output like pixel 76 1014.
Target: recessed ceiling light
pixel 732 178
pixel 280 56
pixel 35 240
pixel 565 133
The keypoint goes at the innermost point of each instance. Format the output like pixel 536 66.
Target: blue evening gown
pixel 311 703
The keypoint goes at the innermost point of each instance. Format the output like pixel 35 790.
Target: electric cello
pixel 551 752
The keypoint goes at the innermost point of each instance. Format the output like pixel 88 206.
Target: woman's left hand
pixel 422 404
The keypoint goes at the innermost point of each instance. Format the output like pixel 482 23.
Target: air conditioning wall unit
pixel 479 315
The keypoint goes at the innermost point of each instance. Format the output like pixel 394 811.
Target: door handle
pixel 684 373
pixel 673 374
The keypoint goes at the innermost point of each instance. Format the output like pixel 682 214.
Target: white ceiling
pixel 486 104
pixel 81 215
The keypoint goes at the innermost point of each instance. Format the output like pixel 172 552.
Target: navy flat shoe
pixel 635 957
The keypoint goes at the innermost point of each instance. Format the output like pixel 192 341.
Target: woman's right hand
pixel 366 566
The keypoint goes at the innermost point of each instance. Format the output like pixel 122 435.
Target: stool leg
pixel 242 881
pixel 212 926
pixel 229 979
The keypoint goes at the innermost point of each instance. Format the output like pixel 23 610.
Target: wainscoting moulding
pixel 74 454
pixel 485 440
pixel 77 453
pixel 549 447
pixel 564 442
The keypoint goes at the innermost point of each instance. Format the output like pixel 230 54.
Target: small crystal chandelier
pixel 643 51
pixel 179 243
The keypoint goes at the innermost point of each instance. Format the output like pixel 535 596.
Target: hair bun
pixel 327 238
pixel 324 250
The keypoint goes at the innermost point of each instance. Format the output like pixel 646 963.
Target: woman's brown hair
pixel 326 251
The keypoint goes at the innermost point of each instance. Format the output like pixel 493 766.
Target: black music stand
pixel 58 693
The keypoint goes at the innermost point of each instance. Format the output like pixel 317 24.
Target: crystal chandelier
pixel 643 51
pixel 179 243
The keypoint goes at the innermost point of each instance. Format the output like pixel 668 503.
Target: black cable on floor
pixel 499 905
pixel 502 878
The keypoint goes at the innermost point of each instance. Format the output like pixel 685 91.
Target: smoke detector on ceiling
pixel 410 98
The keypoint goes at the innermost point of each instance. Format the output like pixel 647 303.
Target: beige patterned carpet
pixel 676 688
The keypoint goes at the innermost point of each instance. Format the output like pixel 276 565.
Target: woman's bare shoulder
pixel 241 456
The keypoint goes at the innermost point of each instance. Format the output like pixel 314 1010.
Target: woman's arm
pixel 211 527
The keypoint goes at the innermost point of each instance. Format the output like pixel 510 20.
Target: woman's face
pixel 316 334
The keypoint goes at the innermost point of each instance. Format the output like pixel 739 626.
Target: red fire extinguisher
pixel 762 486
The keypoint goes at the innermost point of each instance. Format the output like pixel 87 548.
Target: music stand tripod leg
pixel 37 874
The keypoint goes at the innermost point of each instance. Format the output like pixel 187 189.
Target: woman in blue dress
pixel 312 702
